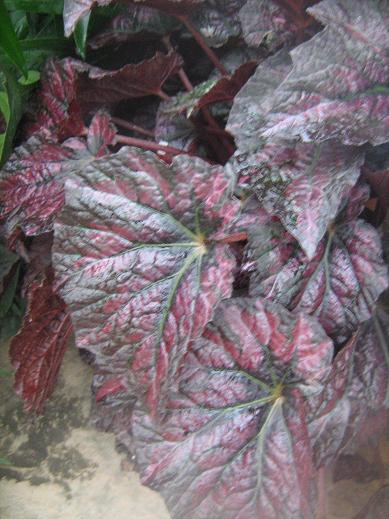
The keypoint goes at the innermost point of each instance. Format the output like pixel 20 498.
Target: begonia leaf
pixel 337 285
pixel 38 349
pixel 218 21
pixel 136 21
pixel 31 182
pixel 132 80
pixel 138 260
pixel 273 22
pixel 338 85
pixel 305 185
pixel 234 443
pixel 357 386
pixel 248 111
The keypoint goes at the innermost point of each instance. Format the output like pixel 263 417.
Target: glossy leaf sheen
pixel 357 386
pixel 339 285
pixel 304 186
pixel 138 278
pixel 338 85
pixel 231 447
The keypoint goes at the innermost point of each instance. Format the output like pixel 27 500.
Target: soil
pixel 62 468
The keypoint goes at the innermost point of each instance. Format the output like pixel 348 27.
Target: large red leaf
pixel 356 389
pixel 234 444
pixel 304 186
pixel 31 182
pixel 38 349
pixel 338 85
pixel 339 284
pixel 137 257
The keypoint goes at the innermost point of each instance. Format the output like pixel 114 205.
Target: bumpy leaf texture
pixel 59 111
pixel 31 182
pixel 218 21
pixel 139 261
pixel 273 22
pixel 234 444
pixel 357 387
pixel 38 349
pixel 247 115
pixel 339 284
pixel 338 85
pixel 304 186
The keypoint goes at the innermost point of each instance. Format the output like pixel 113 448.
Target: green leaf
pixel 8 295
pixel 4 461
pixel 80 34
pixel 51 44
pixel 11 103
pixel 32 77
pixel 8 40
pixel 35 6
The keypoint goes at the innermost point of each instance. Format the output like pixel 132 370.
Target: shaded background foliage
pixel 197 190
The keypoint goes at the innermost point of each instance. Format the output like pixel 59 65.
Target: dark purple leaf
pixel 305 185
pixel 174 128
pixel 137 257
pixel 96 85
pixel 356 468
pixel 379 182
pixel 339 284
pixel 38 349
pixel 234 444
pixel 274 22
pixel 338 85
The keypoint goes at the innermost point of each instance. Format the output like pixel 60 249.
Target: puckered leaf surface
pixel 140 267
pixel 338 285
pixel 74 10
pixel 248 111
pixel 338 85
pixel 31 182
pixel 305 185
pixel 38 349
pixel 357 386
pixel 274 21
pixel 234 444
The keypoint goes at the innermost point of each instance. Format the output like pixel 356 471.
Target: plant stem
pixel 203 44
pixel 162 95
pixel 233 238
pixel 147 145
pixel 132 127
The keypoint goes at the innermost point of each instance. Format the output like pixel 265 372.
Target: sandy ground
pixel 63 469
